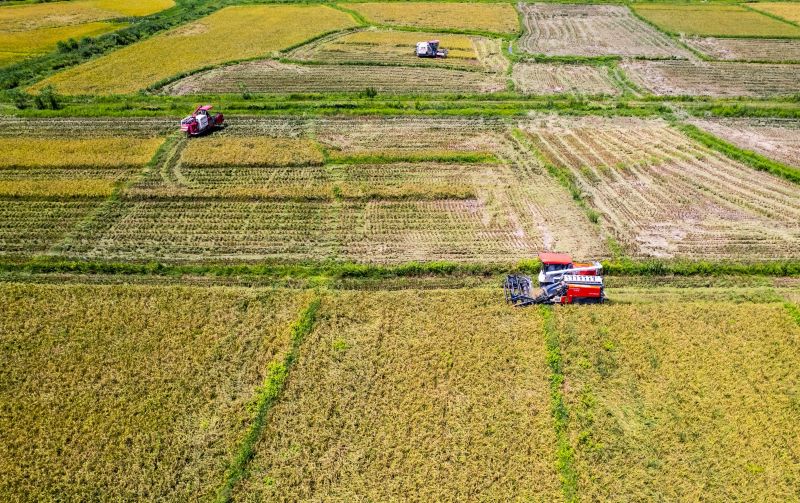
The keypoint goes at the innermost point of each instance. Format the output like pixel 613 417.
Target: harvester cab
pixel 561 281
pixel 430 49
pixel 201 121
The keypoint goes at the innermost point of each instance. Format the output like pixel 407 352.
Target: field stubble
pixel 778 139
pixel 772 50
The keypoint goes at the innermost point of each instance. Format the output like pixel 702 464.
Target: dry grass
pixel 493 17
pixel 395 398
pixel 786 10
pixel 591 30
pixel 714 20
pixel 231 33
pixel 57 188
pixel 251 151
pixel 130 392
pixel 20 152
pixel 545 78
pixel 683 401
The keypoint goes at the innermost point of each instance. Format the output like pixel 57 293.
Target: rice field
pixel 250 151
pixel 680 401
pixel 384 47
pixel 232 33
pixel 131 392
pixel 787 10
pixel 747 49
pixel 18 45
pixel 492 17
pixel 591 30
pixel 394 397
pixel 774 138
pixel 717 79
pixel 663 195
pixel 546 78
pixel 98 152
pixel 268 76
pixel 714 20
pixel 25 17
pixel 29 227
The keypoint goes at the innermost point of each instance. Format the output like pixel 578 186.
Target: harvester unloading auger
pixel 560 282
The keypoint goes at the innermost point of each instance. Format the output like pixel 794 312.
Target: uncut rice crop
pixel 714 20
pixel 786 10
pixel 683 401
pixel 591 30
pixel 231 33
pixel 28 227
pixel 747 49
pixel 664 195
pixel 86 187
pixel 29 16
pixel 700 78
pixel 18 45
pixel 131 392
pixel 494 17
pixel 253 151
pixel 21 152
pixel 778 139
pixel 395 398
pixel 268 76
pixel 385 47
pixel 546 78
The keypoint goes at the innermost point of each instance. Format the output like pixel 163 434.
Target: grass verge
pixel 565 455
pixel 752 159
pixel 266 396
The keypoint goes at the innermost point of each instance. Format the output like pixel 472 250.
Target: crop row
pixel 631 174
pixel 250 151
pixel 119 152
pixel 591 30
pixel 675 78
pixel 34 226
pixel 493 17
pixel 545 78
pixel 747 49
pixel 85 128
pixel 714 20
pixel 776 139
pixel 268 76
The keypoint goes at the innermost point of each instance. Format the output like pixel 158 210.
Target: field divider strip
pixel 266 396
pixel 748 157
pixel 565 454
pixel 793 310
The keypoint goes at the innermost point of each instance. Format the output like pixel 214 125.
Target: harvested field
pixel 664 195
pixel 682 401
pixel 131 392
pixel 253 151
pixel 714 20
pixel 23 152
pixel 395 48
pixel 79 128
pixel 29 227
pixel 546 78
pixel 394 397
pixel 493 17
pixel 273 77
pixel 678 78
pixel 786 10
pixel 778 139
pixel 592 30
pixel 236 32
pixel 747 49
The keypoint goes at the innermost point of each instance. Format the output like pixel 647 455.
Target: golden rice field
pixel 18 45
pixel 786 10
pixel 24 17
pixel 494 17
pixel 79 187
pixel 395 398
pixel 683 401
pixel 131 392
pixel 21 152
pixel 714 20
pixel 232 33
pixel 251 151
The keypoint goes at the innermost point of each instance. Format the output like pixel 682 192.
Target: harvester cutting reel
pixel 560 282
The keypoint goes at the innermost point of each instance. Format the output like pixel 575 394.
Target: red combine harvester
pixel 201 121
pixel 560 282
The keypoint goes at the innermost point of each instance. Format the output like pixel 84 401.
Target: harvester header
pixel 561 281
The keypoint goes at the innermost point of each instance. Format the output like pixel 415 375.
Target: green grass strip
pixel 752 159
pixel 267 396
pixel 564 454
pixel 794 311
